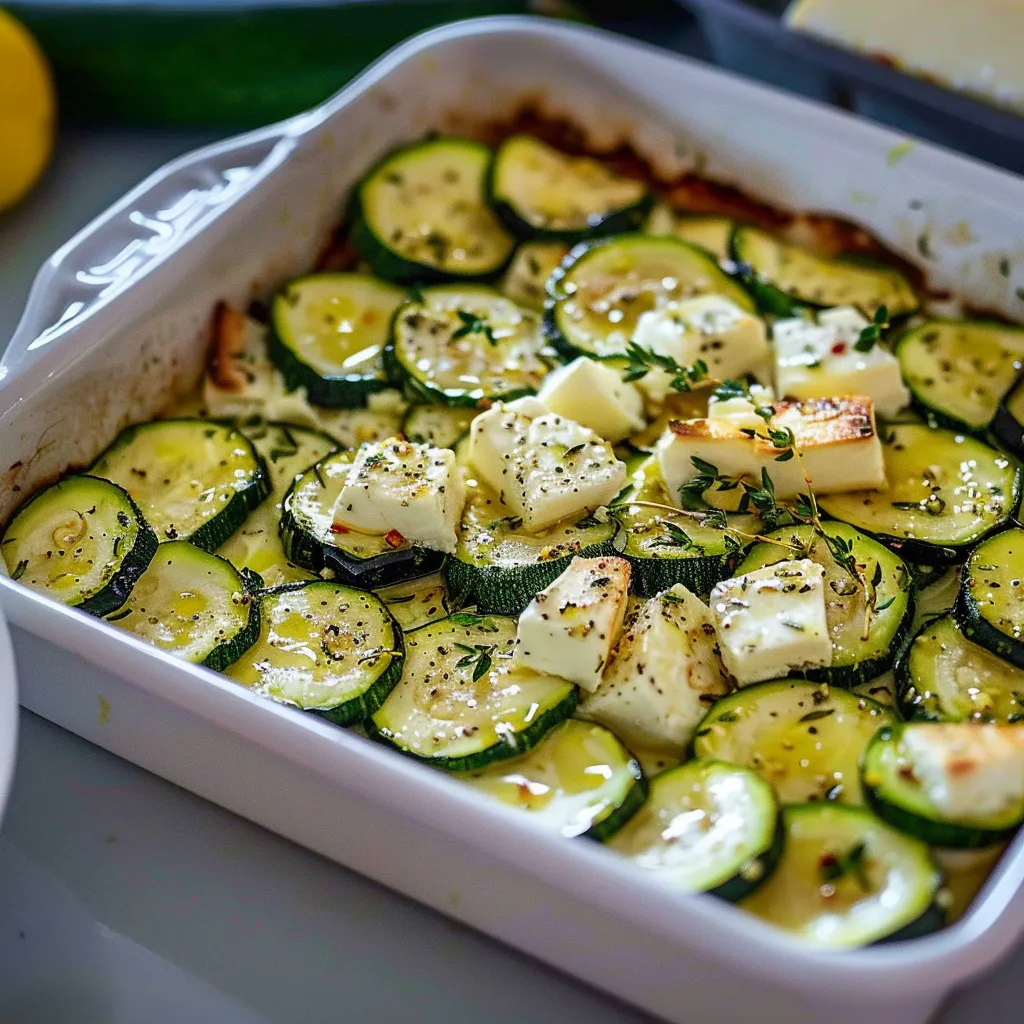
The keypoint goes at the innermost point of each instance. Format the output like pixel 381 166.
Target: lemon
pixel 27 109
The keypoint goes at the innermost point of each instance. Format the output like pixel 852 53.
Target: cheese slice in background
pixel 971 46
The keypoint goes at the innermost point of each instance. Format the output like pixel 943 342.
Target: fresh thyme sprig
pixel 472 324
pixel 643 360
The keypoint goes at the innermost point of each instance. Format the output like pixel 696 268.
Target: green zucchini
pixel 597 295
pixel 847 879
pixel 194 480
pixel 783 277
pixel 538 191
pixel 959 370
pixel 194 605
pixel 868 618
pixel 711 233
pixel 1008 422
pixel 325 648
pixel 946 491
pixel 417 602
pixel 899 792
pixel 81 541
pixel 946 677
pixel 420 215
pixel 460 703
pixel 525 280
pixel 499 567
pixel 287 450
pixel 311 540
pixel 466 346
pixel 803 738
pixel 440 425
pixel 664 549
pixel 707 826
pixel 579 780
pixel 327 335
pixel 990 606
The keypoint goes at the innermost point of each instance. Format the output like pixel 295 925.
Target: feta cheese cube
pixel 654 691
pixel 741 411
pixel 836 437
pixel 968 771
pixel 395 485
pixel 595 396
pixel 544 467
pixel 732 342
pixel 771 621
pixel 819 360
pixel 570 627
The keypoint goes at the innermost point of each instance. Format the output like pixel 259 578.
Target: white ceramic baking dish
pixel 115 328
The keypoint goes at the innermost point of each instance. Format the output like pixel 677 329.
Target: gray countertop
pixel 126 900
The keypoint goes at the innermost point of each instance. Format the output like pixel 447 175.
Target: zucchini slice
pixel 421 214
pixel 1008 422
pixel 81 541
pixel 598 294
pixel 707 826
pixel 537 190
pixel 460 703
pixel 325 648
pixel 499 567
pixel 327 335
pixel 440 425
pixel 898 796
pixel 417 602
pixel 946 677
pixel 945 492
pixel 464 346
pixel 665 549
pixel 711 233
pixel 959 370
pixel 865 640
pixel 194 480
pixel 783 277
pixel 848 879
pixel 287 450
pixel 579 780
pixel 990 606
pixel 525 280
pixel 311 540
pixel 194 605
pixel 803 738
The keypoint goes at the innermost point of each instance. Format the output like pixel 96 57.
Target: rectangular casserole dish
pixel 116 327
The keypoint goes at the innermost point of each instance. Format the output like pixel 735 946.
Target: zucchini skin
pixel 231 650
pixel 617 223
pixel 507 590
pixel 305 551
pixel 650 576
pixel 133 565
pixel 604 829
pixel 523 741
pixel 1006 430
pixel 977 628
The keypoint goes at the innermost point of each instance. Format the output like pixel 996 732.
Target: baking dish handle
pixel 138 233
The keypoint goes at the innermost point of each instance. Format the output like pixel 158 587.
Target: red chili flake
pixel 338 528
pixel 394 538
pixel 839 348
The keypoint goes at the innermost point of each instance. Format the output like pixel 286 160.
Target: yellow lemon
pixel 27 111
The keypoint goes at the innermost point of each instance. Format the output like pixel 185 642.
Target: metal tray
pixel 747 36
pixel 116 326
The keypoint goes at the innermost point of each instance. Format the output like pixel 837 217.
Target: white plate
pixel 116 323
